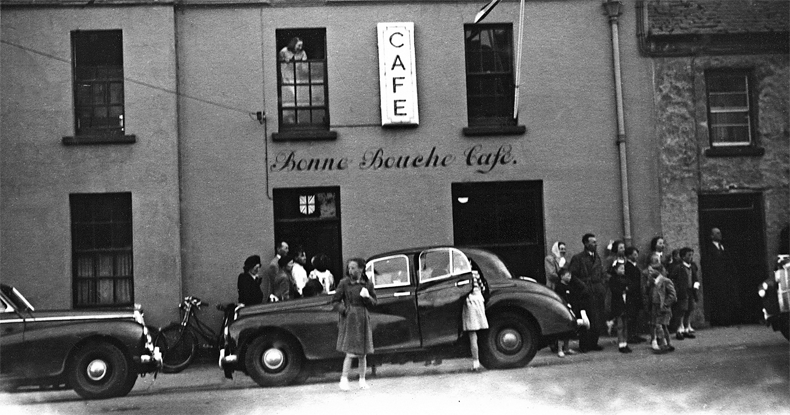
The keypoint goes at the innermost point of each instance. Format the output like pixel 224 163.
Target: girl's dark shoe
pixel 679 336
pixel 625 349
pixel 689 335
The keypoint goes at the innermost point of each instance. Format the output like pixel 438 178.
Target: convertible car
pixel 420 295
pixel 99 354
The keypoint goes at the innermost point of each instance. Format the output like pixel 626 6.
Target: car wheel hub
pixel 509 341
pixel 273 359
pixel 97 370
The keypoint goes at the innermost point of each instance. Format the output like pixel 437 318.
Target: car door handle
pixel 401 294
pixel 461 283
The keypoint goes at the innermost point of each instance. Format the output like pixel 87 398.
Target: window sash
pixel 98 86
pixel 489 75
pixel 303 94
pixel 729 109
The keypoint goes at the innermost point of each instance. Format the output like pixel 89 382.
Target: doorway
pixel 505 218
pixel 310 217
pixel 730 281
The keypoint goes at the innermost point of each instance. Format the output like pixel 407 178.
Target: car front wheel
pixel 101 370
pixel 273 360
pixel 511 341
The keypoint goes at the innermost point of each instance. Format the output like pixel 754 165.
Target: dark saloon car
pixel 418 318
pixel 775 294
pixel 99 354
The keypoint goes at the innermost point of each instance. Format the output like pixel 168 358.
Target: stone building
pixel 721 107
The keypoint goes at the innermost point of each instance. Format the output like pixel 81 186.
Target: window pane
pixel 303 117
pixel 116 93
pixel 99 92
pixel 86 291
pixel 123 263
pixel 728 100
pixel 103 236
pixel 434 264
pixel 730 134
pixel 83 237
pixel 84 94
pixel 302 72
pixel 302 96
pixel 287 96
pixel 391 272
pixel 122 235
pixel 723 83
pixel 289 117
pixel 460 263
pixel 85 266
pixel 288 73
pixel 718 118
pixel 317 72
pixel 123 290
pixel 105 291
pixel 317 94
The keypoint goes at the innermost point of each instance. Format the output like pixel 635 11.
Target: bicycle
pixel 179 341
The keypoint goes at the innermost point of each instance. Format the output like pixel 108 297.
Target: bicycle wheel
pixel 178 348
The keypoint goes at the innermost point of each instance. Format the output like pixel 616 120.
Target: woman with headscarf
pixel 553 263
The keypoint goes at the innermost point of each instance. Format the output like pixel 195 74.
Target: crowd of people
pixel 285 277
pixel 617 294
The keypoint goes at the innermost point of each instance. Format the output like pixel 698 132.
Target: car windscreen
pixel 20 302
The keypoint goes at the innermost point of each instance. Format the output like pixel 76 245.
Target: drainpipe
pixel 613 9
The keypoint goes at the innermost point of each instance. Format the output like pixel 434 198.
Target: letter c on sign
pixel 391 40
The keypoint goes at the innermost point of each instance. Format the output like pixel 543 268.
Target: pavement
pixel 206 375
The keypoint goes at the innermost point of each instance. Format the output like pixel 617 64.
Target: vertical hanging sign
pixel 397 74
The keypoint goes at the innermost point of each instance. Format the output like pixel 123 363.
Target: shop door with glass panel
pixel 310 217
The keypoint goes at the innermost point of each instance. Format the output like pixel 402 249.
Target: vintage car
pixel 97 353
pixel 775 294
pixel 417 318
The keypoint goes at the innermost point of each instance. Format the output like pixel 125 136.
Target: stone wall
pixel 682 138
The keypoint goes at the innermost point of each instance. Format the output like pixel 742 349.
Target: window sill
pixel 305 135
pixel 99 139
pixel 495 130
pixel 745 151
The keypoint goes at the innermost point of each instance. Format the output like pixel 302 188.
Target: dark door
pixel 445 280
pixel 731 276
pixel 505 218
pixel 310 217
pixel 394 317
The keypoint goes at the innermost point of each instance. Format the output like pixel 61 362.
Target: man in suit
pixel 721 285
pixel 587 267
pixel 272 270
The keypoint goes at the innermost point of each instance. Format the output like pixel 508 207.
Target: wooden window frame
pixel 87 232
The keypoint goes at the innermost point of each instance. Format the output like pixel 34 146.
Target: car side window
pixel 434 265
pixel 389 272
pixel 461 264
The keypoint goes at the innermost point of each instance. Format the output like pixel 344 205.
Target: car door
pixel 12 342
pixel 445 279
pixel 394 318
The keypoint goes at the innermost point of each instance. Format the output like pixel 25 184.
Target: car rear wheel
pixel 178 348
pixel 101 370
pixel 274 360
pixel 511 341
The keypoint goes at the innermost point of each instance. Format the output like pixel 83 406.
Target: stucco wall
pixel 37 172
pixel 681 109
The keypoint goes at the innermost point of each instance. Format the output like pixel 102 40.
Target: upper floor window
pixel 98 83
pixel 303 101
pixel 101 235
pixel 489 74
pixel 730 108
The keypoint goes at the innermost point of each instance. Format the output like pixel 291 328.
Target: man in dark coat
pixel 633 296
pixel 587 267
pixel 721 285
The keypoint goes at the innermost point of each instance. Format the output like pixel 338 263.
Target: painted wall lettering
pixel 483 160
pixel 397 74
pixel 486 161
pixel 287 161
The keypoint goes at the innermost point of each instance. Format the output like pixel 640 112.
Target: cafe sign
pixel 397 74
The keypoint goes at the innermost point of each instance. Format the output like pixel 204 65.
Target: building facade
pixel 392 126
pixel 721 93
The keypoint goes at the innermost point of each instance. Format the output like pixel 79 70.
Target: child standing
pixel 617 286
pixel 574 293
pixel 355 335
pixel 663 297
pixel 474 317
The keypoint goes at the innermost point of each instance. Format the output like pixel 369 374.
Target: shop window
pixel 490 88
pixel 101 244
pixel 302 88
pixel 731 110
pixel 99 113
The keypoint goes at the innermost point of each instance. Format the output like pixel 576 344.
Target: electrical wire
pixel 251 114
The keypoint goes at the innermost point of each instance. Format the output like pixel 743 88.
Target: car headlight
pixel 765 286
pixel 761 293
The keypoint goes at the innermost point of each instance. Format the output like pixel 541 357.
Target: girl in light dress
pixel 474 317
